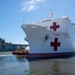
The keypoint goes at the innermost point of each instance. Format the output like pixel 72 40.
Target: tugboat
pixel 21 51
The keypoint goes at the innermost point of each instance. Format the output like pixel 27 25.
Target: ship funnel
pixel 64 17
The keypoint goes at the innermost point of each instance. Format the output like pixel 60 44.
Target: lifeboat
pixel 21 51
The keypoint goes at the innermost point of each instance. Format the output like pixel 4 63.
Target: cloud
pixel 31 5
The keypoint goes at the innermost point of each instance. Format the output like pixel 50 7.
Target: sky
pixel 14 12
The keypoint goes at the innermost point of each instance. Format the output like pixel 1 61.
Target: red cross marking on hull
pixel 55 44
pixel 54 27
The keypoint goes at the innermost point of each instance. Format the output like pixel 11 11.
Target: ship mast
pixel 50 14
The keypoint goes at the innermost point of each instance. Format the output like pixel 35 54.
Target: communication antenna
pixel 23 20
pixel 50 14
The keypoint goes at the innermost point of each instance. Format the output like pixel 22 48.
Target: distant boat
pixel 51 38
pixel 21 51
pixel 8 46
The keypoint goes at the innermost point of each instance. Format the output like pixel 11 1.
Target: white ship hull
pixel 57 43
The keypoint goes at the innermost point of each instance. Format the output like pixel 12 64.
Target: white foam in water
pixel 6 55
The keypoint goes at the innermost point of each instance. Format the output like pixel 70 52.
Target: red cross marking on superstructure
pixel 55 44
pixel 54 27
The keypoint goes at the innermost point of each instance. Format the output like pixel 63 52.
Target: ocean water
pixel 19 65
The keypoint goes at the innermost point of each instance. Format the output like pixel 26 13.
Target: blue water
pixel 19 65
